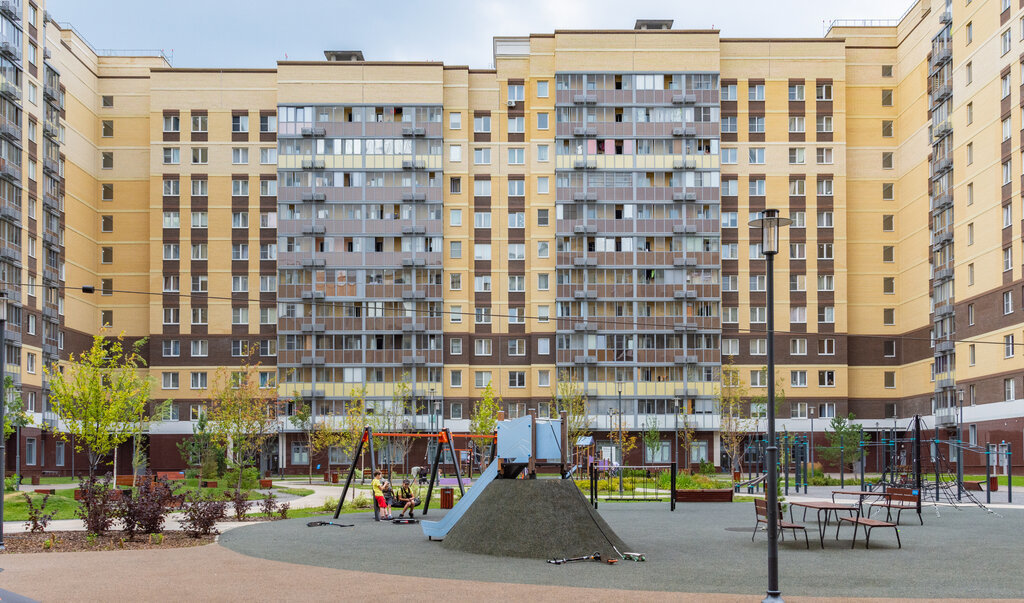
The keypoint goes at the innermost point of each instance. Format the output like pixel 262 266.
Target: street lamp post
pixel 675 436
pixel 769 224
pixel 622 460
pixel 810 413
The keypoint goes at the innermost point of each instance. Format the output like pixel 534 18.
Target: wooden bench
pixel 973 485
pixel 900 499
pixel 868 524
pixel 50 491
pixel 171 475
pixel 124 480
pixel 761 512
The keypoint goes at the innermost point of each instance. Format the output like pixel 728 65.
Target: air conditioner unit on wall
pixel 511 103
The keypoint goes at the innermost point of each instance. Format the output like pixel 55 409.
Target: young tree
pixel 846 434
pixel 570 397
pixel 15 417
pixel 652 437
pixel 100 397
pixel 484 419
pixel 736 422
pixel 686 433
pixel 202 450
pixel 303 421
pixel 353 424
pixel 325 435
pixel 243 416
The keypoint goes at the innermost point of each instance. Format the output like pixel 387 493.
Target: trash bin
pixel 993 483
pixel 447 498
pixel 334 477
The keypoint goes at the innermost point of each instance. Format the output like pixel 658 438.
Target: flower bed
pixel 72 541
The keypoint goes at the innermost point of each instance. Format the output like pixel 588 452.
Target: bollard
pixel 672 489
pixel 988 472
pixel 1009 475
pixel 862 464
pixel 935 461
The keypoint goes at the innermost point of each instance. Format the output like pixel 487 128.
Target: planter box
pixel 45 491
pixel 207 484
pixel 711 495
pixel 124 480
pixel 35 480
pixel 266 483
pixel 78 494
pixel 334 477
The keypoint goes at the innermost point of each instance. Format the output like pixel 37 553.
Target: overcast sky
pixel 257 33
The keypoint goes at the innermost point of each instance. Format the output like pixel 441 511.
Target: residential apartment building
pixel 578 212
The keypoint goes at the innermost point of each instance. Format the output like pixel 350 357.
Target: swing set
pixel 444 440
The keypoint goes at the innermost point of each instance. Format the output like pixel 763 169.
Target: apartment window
pixel 198 380
pixel 543 186
pixel 888 223
pixel 888 191
pixel 455 314
pixel 542 121
pixel 1007 129
pixel 171 348
pixel 200 155
pixel 455 346
pixel 730 347
pixel 169 380
pixel 971 354
pixel 482 284
pixel 796 156
pixel 758 347
pixel 825 187
pixel 516 92
pixel 455 121
pixel 268 123
pixel 730 314
pixel 455 217
pixel 826 282
pixel 1008 389
pixel 481 379
pixel 239 124
pixel 887 131
pixel 970 113
pixel 456 379
pixel 756 187
pixel 172 123
pixel 1007 171
pixel 970 32
pixel 797 282
pixel 823 92
pixel 200 284
pixel 171 316
pixel 542 152
pixel 1007 259
pixel 200 188
pixel 729 92
pixel 796 92
pixel 239 155
pixel 826 378
pixel 758 314
pixel 824 251
pixel 200 251
pixel 887 160
pixel 239 284
pixel 1005 43
pixel 482 124
pixel 970 274
pixel 1008 346
pixel 823 155
pixel 886 97
pixel 799 379
pixel 240 219
pixel 200 219
pixel 482 316
pixel 1007 215
pixel 107 190
pixel 798 314
pixel 797 124
pixel 970 234
pixel 240 188
pixel 755 155
pixel 516 125
pixel 888 285
pixel 756 124
pixel 482 156
pixel 797 251
pixel 827 347
pixel 758 378
pixel 729 124
pixel 455 281
pixel 171 251
pixel 199 123
pixel 106 255
pixel 107 101
pixel 970 314
pixel 517 251
pixel 455 249
pixel 1007 302
pixel 824 219
pixel 755 92
pixel 889 316
pixel 200 348
pixel 889 379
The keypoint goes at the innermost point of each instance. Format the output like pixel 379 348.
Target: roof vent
pixel 653 24
pixel 344 55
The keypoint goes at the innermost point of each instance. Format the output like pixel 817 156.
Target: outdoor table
pixel 861 495
pixel 826 507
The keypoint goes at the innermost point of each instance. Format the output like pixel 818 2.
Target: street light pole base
pixel 773 597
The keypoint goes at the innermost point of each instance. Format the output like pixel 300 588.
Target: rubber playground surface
pixel 700 548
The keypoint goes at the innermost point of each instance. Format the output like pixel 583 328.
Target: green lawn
pixel 293 491
pixel 16 509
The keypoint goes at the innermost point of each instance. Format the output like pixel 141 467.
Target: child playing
pixel 378 494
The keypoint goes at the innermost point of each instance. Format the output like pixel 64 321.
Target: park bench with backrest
pixel 899 500
pixel 761 512
pixel 868 524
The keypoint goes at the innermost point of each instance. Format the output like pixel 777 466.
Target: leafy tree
pixel 100 397
pixel 303 420
pixel 15 416
pixel 687 433
pixel 353 424
pixel 202 449
pixel 243 416
pixel 324 436
pixel 484 419
pixel 570 398
pixel 842 432
pixel 628 442
pixel 780 392
pixel 651 436
pixel 736 422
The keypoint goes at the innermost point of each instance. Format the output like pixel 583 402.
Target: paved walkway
pixel 214 573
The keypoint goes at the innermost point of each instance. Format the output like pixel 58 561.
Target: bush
pixel 250 478
pixel 707 468
pixel 146 511
pixel 282 510
pixel 361 502
pixel 210 468
pixel 240 501
pixel 200 514
pixel 268 505
pixel 97 509
pixel 11 483
pixel 38 518
pixel 191 473
pixel 330 504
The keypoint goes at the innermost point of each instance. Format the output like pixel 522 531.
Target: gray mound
pixel 538 518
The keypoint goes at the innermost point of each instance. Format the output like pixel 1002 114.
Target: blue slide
pixel 437 530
